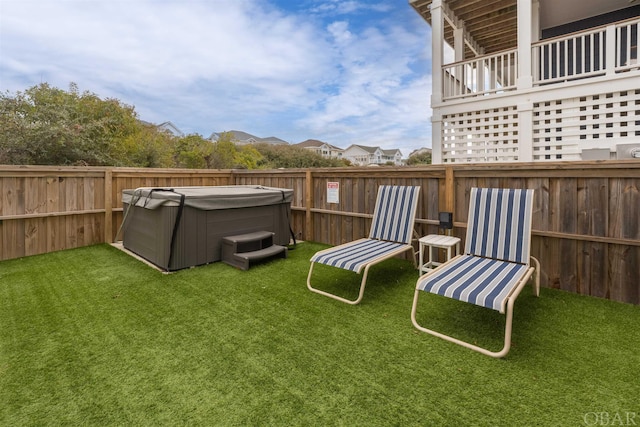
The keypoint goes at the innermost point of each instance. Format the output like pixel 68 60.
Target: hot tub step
pixel 242 250
pixel 246 258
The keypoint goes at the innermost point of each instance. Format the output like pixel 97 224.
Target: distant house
pixel 273 140
pixel 166 127
pixel 420 151
pixel 322 148
pixel 244 138
pixel 363 155
pixel 170 128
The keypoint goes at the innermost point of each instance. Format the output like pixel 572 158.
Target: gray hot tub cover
pixel 208 197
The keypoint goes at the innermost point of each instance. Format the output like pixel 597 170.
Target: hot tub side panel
pixel 199 235
pixel 147 233
pixel 199 238
pixel 229 222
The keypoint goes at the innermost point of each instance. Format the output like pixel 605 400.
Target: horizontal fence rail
pixel 586 214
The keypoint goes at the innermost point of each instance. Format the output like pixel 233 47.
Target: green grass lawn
pixel 94 337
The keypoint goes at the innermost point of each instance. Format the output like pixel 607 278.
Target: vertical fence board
pixel 561 255
pixel 430 202
pixel 350 205
pixel 13 232
pixel 592 257
pixel 53 205
pixel 71 204
pixel 625 261
pixel 87 222
pixel 32 204
pixel 359 206
pixel 540 221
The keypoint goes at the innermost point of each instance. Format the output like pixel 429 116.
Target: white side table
pixel 436 241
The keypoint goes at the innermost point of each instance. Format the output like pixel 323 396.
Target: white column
pixel 436 139
pixel 535 37
pixel 525 24
pixel 437 55
pixel 458 42
pixel 535 21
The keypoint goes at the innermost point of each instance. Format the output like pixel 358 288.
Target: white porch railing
pixel 627 39
pixel 481 76
pixel 572 57
pixel 591 53
pixel 601 50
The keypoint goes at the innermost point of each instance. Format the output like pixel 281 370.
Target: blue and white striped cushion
pixel 480 281
pixel 391 231
pixel 356 255
pixel 499 224
pixel 394 213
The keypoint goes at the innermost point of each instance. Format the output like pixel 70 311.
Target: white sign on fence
pixel 333 192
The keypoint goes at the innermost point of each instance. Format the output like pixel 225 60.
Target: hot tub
pixel 181 227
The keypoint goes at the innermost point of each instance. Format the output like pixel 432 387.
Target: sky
pixel 339 71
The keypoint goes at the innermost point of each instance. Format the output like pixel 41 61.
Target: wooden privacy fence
pixel 586 216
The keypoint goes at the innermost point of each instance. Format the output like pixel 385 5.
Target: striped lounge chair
pixel 390 235
pixel 495 264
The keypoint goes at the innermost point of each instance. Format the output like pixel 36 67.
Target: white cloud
pixel 345 7
pixel 380 100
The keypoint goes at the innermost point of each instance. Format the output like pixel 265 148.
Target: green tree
pixel 423 158
pixel 46 125
pixel 224 152
pixel 146 147
pixel 247 157
pixel 49 126
pixel 193 152
pixel 227 155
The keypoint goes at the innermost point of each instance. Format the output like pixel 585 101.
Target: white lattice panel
pixel 563 128
pixel 481 136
